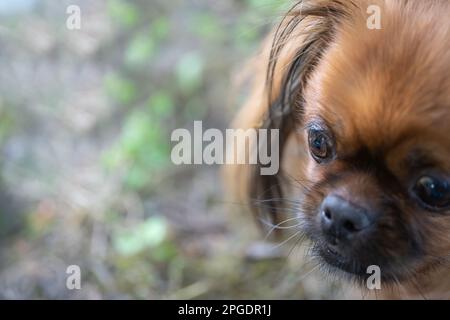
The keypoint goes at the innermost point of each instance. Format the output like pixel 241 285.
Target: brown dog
pixel 364 120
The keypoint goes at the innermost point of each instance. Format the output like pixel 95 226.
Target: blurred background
pixel 85 171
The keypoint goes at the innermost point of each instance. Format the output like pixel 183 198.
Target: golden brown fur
pixel 386 95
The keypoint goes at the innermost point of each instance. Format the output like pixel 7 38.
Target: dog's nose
pixel 342 220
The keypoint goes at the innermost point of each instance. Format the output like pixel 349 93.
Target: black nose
pixel 342 220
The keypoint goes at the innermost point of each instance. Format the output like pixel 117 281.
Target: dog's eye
pixel 434 193
pixel 320 145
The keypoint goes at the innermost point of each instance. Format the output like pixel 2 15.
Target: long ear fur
pixel 280 75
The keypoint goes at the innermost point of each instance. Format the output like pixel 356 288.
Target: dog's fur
pixel 385 96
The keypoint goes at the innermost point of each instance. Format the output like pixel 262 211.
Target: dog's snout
pixel 341 220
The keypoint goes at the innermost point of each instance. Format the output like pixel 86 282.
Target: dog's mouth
pixel 345 263
pixel 351 259
pixel 354 253
pixel 359 267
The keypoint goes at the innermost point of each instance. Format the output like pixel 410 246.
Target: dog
pixel 363 116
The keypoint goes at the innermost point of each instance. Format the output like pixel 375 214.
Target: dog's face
pixel 376 121
pixel 364 122
pixel 371 108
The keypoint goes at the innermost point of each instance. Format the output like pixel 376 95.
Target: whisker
pixel 287 240
pixel 278 226
pixel 309 273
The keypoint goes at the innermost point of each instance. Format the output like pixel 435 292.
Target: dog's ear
pixel 279 77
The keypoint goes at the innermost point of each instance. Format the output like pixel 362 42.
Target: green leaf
pixel 245 35
pixel 119 88
pixel 161 103
pixel 154 231
pixel 136 177
pixel 137 132
pixel 142 148
pixel 150 234
pixel 140 50
pixel 207 26
pixel 125 13
pixel 160 28
pixel 189 71
pixel 268 6
pixel 112 158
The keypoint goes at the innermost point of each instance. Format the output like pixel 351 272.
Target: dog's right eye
pixel 320 145
pixel 433 192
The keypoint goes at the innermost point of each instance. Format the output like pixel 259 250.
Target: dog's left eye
pixel 320 145
pixel 433 192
